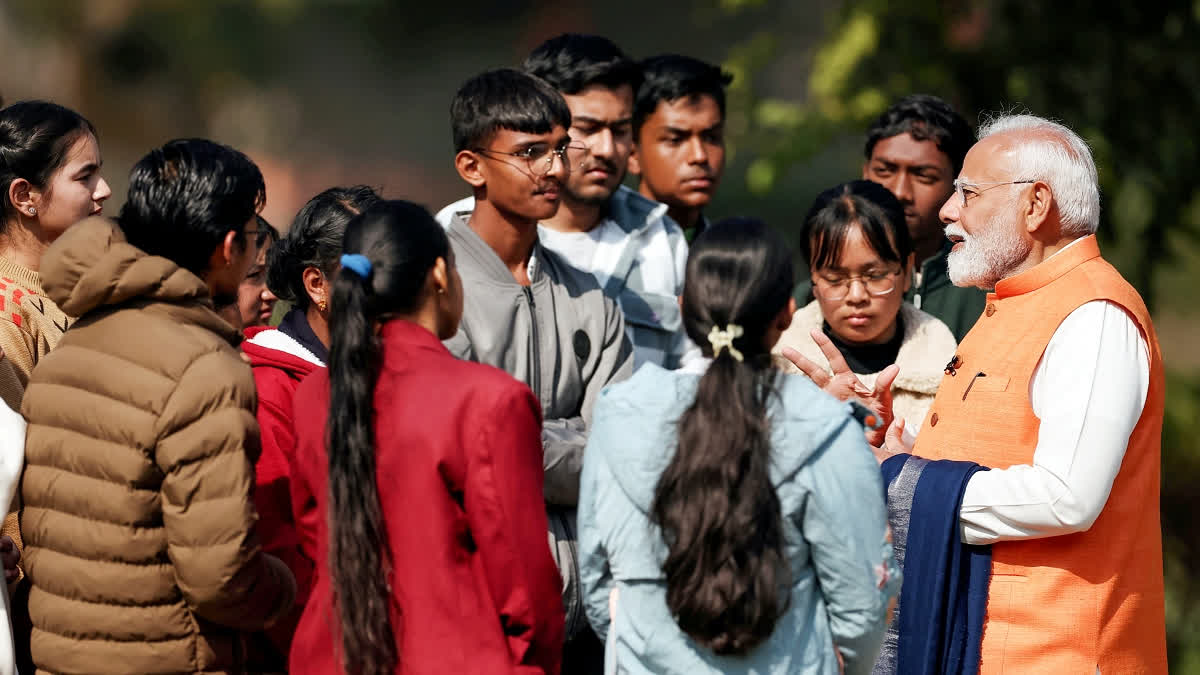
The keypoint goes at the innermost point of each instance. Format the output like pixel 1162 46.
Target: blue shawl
pixel 938 625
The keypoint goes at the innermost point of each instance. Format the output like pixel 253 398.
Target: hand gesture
pixel 844 385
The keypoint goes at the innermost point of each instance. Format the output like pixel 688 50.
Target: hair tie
pixel 359 264
pixel 723 339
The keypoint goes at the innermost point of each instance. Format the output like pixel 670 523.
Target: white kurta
pixel 1088 391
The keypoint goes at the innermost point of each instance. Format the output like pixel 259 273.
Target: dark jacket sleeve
pixel 503 503
pixel 208 441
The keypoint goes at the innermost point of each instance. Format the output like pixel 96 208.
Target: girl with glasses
pixel 861 261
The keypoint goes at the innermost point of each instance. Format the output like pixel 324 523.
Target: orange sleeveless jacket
pixel 1078 603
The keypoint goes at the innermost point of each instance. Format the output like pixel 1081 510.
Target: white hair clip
pixel 723 339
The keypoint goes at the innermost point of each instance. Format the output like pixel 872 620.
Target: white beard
pixel 984 259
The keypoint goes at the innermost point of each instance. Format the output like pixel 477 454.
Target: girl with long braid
pixel 433 554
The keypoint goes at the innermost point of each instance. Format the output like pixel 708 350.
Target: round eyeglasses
pixel 539 157
pixel 967 191
pixel 834 288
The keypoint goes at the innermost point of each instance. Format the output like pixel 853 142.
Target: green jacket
pixel 958 308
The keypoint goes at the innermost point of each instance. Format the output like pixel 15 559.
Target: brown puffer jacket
pixel 138 517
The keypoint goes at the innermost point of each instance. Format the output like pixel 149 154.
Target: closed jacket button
pixel 933 420
pixel 991 309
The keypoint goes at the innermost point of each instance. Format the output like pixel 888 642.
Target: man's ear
pixel 1041 203
pixel 224 253
pixel 230 246
pixel 865 170
pixel 635 165
pixel 907 272
pixel 470 169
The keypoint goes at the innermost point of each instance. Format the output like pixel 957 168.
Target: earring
pixel 32 211
pixel 322 305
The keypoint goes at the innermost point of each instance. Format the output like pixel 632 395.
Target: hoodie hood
pixel 650 403
pixel 272 348
pixel 91 267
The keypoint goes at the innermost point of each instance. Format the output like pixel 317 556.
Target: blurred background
pixel 338 92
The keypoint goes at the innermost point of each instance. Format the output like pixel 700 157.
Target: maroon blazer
pixel 459 471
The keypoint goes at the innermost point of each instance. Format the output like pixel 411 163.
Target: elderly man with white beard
pixel 1058 390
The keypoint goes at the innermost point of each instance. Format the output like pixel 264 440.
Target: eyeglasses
pixel 967 190
pixel 837 288
pixel 539 158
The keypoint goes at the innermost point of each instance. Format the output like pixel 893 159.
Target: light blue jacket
pixel 835 528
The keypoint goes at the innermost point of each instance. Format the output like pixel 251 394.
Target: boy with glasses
pixel 624 239
pixel 525 309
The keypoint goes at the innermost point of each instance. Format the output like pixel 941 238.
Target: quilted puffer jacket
pixel 140 450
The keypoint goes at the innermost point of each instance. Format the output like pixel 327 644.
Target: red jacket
pixel 459 473
pixel 279 364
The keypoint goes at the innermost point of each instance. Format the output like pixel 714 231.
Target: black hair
pixel 670 77
pixel 35 137
pixel 267 234
pixel 572 62
pixel 403 242
pixel 862 204
pixel 186 196
pixel 315 240
pixel 505 99
pixel 925 117
pixel 727 574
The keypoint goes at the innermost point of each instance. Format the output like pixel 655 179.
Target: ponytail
pixel 727 575
pixel 359 557
pixel 394 245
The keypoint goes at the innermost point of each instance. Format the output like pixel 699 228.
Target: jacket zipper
pixel 535 374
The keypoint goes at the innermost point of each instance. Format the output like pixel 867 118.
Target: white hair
pixel 1052 153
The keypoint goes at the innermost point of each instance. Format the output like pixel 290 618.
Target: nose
pixel 267 295
pixel 103 191
pixel 601 144
pixel 949 212
pixel 697 153
pixel 857 292
pixel 559 168
pixel 901 186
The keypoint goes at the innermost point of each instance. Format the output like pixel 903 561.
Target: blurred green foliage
pixel 1125 75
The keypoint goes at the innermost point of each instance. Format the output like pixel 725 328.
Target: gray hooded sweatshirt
pixel 565 339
